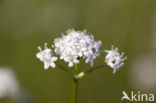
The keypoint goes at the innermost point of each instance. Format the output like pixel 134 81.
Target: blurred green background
pixel 25 24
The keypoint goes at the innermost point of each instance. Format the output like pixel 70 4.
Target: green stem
pixel 75 85
pixel 80 75
pixel 62 68
pixel 94 68
pixel 74 91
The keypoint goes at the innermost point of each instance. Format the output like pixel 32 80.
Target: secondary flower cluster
pixel 114 59
pixel 47 57
pixel 75 45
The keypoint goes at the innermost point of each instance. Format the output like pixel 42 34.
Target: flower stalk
pixel 82 74
pixel 75 85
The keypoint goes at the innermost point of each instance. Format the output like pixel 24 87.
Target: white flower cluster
pixel 77 44
pixel 47 57
pixel 113 59
pixel 9 86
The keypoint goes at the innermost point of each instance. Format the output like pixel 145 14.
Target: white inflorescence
pixel 113 59
pixel 47 57
pixel 9 86
pixel 77 44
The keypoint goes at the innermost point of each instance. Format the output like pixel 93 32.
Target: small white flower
pixel 9 86
pixel 113 59
pixel 77 44
pixel 47 57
